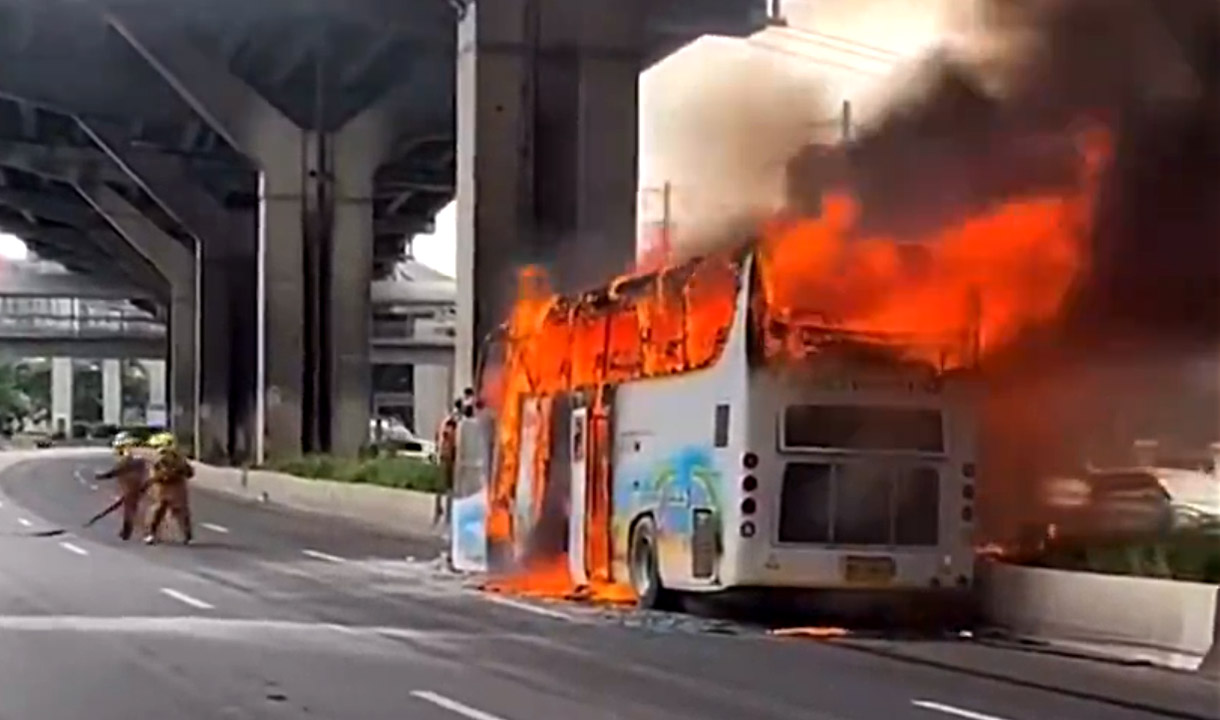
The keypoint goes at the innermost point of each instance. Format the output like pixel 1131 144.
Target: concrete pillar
pixel 215 335
pixel 178 264
pixel 184 362
pixel 281 294
pixel 225 239
pixel 112 392
pixel 61 395
pixel 326 313
pixel 547 105
pixel 433 397
pixel 359 147
pixel 312 240
pixel 154 370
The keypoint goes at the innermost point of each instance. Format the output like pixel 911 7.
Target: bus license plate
pixel 859 570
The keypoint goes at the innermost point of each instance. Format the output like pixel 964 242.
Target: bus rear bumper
pixel 876 571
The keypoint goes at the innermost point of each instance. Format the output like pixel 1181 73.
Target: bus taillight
pixel 749 461
pixel 749 483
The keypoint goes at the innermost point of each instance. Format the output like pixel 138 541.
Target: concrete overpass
pixel 254 165
pixel 412 328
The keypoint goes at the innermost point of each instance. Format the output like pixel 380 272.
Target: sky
pixel 438 250
pixel 12 248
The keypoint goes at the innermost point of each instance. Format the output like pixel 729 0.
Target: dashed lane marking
pixel 186 599
pixel 317 555
pixel 216 528
pixel 527 607
pixel 73 548
pixel 954 711
pixel 453 705
pixel 24 522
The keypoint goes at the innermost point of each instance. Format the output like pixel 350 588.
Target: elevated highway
pixel 254 165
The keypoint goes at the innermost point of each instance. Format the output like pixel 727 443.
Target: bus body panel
pixel 677 456
pixel 671 464
pixel 858 517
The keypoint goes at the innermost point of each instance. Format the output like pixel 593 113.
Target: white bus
pixel 847 466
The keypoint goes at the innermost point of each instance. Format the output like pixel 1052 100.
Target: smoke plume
pixel 1134 353
pixel 723 118
pixel 994 118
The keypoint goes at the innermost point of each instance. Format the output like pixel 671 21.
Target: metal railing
pixel 409 330
pixel 79 326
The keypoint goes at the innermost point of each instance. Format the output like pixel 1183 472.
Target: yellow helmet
pixel 124 443
pixel 161 441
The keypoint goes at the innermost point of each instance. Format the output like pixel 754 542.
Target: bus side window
pixel 721 432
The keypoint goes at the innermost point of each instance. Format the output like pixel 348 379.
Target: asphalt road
pixel 277 615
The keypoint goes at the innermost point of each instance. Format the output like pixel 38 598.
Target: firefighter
pixel 170 474
pixel 130 473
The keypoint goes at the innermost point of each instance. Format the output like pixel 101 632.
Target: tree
pixel 14 404
pixel 34 379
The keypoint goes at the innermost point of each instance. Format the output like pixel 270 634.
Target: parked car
pixel 139 433
pixel 393 435
pixel 1132 503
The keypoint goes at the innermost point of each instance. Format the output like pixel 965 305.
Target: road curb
pixel 1012 679
pixel 391 510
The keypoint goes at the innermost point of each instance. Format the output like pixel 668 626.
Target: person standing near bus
pixel 446 451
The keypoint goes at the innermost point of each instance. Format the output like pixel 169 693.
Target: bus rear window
pixel 863 427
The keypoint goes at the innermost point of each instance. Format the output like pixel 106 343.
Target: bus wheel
pixel 642 567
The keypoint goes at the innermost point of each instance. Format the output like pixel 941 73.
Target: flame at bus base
pixel 941 300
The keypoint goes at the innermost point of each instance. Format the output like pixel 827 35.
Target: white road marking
pixel 187 599
pixel 527 607
pixel 93 486
pixel 216 528
pixel 454 706
pixel 70 547
pixel 80 476
pixel 210 626
pixel 1 504
pixel 954 711
pixel 24 522
pixel 322 556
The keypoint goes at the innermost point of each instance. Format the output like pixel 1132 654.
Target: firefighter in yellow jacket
pixel 170 474
pixel 130 474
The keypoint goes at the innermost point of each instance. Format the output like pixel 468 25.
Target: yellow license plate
pixel 868 570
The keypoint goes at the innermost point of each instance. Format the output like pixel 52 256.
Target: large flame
pixel 972 287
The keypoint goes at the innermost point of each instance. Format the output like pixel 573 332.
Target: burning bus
pixel 793 413
pixel 681 431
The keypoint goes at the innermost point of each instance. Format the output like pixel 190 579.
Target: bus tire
pixel 643 568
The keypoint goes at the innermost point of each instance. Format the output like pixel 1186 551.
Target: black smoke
pixel 988 129
pixel 1134 353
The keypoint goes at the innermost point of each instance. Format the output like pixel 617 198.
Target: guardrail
pixel 1165 622
pixel 58 326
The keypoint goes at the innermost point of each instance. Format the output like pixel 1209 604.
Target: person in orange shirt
pixel 130 473
pixel 446 451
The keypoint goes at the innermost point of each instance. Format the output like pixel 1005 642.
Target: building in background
pixel 414 330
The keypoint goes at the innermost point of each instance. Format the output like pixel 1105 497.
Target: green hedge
pixel 395 472
pixel 1191 555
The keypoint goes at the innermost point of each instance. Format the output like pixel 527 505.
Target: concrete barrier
pixel 388 509
pixel 1165 622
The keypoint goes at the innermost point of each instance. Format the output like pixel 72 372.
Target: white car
pixel 393 433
